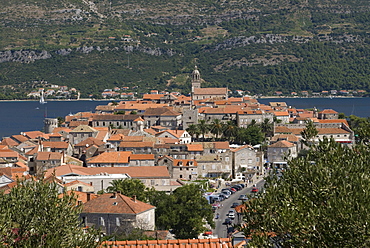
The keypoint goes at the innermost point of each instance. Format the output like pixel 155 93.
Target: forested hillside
pixel 259 46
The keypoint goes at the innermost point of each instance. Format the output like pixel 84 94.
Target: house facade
pixel 115 213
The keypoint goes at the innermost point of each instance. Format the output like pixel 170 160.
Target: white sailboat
pixel 42 100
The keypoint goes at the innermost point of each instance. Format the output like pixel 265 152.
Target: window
pixel 79 188
pixel 84 221
pixel 118 223
pixel 249 161
pixel 101 221
pixel 227 159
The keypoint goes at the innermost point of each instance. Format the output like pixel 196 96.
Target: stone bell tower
pixel 195 79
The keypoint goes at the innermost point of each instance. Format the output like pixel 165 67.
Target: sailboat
pixel 42 100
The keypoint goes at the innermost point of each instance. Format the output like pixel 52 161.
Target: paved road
pixel 220 229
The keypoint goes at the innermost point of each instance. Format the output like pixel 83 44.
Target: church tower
pixel 195 79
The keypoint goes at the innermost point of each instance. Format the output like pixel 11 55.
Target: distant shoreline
pixel 107 100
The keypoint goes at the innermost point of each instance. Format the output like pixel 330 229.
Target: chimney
pixel 134 198
pixel 88 196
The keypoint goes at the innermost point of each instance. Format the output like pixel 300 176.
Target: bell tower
pixel 195 79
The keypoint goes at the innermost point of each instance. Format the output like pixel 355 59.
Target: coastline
pixel 109 100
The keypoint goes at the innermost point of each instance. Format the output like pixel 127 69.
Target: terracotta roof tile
pixel 221 145
pixel 83 129
pixel 43 156
pixel 34 134
pixel 90 142
pixel 328 111
pixel 9 142
pixel 142 157
pixel 160 112
pixel 136 144
pixel 115 203
pixel 20 138
pixel 177 243
pixel 55 144
pixel 111 158
pixel 210 91
pixel 184 162
pixel 281 113
pixel 195 147
pixel 282 143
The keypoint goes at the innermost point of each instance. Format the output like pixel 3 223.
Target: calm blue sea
pixel 349 106
pixel 21 116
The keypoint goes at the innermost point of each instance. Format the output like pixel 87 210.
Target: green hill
pixel 259 46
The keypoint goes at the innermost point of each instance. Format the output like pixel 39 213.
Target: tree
pixel 267 128
pixel 203 128
pixel 251 135
pixel 309 133
pixel 216 127
pixel 194 131
pixel 230 130
pixel 130 187
pixel 192 211
pixel 321 200
pixel 33 215
pixel 185 211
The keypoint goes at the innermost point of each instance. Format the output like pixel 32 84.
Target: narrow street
pixel 222 230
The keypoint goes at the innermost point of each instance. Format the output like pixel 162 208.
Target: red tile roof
pixel 43 156
pixel 55 144
pixel 136 144
pixel 9 142
pixel 282 143
pixel 210 91
pixel 195 147
pixel 132 171
pixel 142 157
pixel 178 243
pixel 115 203
pixel 111 158
pixel 328 111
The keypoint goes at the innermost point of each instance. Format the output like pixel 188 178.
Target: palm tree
pixel 129 187
pixel 216 127
pixel 230 130
pixel 194 131
pixel 267 128
pixel 203 128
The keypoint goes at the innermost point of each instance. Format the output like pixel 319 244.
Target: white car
pixel 231 215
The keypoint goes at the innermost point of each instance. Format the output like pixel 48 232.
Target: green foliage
pixel 361 127
pixel 185 211
pixel 33 215
pixel 130 187
pixel 321 200
pixel 309 133
pixel 156 49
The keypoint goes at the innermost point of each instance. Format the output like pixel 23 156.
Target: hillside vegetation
pixel 259 46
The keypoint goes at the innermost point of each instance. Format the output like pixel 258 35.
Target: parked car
pixel 237 187
pixel 227 191
pixel 231 215
pixel 254 190
pixel 225 195
pixel 235 204
pixel 228 221
pixel 233 189
pixel 208 232
pixel 243 198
